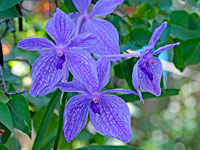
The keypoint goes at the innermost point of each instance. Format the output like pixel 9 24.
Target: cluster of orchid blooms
pixel 77 35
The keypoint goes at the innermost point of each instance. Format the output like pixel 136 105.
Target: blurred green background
pixel 170 122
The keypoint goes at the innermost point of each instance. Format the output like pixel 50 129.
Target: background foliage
pixel 165 123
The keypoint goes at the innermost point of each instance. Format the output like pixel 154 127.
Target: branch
pixel 6 30
pixel 4 85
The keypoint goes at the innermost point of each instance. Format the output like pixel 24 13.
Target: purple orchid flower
pixel 148 69
pixel 57 60
pixel 106 34
pixel 109 114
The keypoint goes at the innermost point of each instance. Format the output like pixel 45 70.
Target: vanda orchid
pixel 109 114
pixel 106 34
pixel 76 36
pixel 55 60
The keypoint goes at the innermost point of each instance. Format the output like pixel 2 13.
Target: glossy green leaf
pixel 70 6
pixel 20 113
pixel 46 120
pixel 5 116
pixel 109 148
pixel 184 34
pixel 140 36
pixel 146 95
pixel 5 136
pixel 2 147
pixel 3 97
pixel 5 4
pixel 9 13
pixel 165 4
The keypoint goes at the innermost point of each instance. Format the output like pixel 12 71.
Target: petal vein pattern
pixel 60 27
pixel 106 35
pixel 152 86
pixel 75 116
pixel 113 118
pixel 44 73
pixel 82 66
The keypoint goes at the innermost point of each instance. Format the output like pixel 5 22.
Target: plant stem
pixel 46 120
pixel 60 125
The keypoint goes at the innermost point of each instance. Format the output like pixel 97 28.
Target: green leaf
pixel 2 147
pixel 5 136
pixel 146 95
pixel 46 120
pixel 5 4
pixel 70 6
pixel 140 36
pixel 3 97
pixel 9 13
pixel 187 53
pixel 20 113
pixel 5 116
pixel 107 147
pixel 184 34
pixel 165 4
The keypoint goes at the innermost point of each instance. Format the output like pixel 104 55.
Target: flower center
pixel 60 62
pixel 59 53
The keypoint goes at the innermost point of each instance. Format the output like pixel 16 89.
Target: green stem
pixel 46 120
pixel 60 125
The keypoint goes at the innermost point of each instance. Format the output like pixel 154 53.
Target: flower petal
pixel 105 7
pixel 148 84
pixel 75 116
pixel 73 86
pixel 44 73
pixel 112 118
pixel 135 81
pixel 156 34
pixel 103 71
pixel 164 48
pixel 60 27
pixel 124 91
pixel 107 38
pixel 82 66
pixel 82 5
pixel 35 43
pixel 85 40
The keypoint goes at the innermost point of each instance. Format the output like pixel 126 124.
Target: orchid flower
pixel 106 34
pixel 109 114
pixel 57 60
pixel 147 71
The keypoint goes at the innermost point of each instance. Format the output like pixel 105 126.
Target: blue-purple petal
pixel 36 43
pixel 156 34
pixel 60 27
pixel 82 5
pixel 112 118
pixel 73 86
pixel 85 40
pixel 75 116
pixel 135 81
pixel 103 71
pixel 105 7
pixel 82 66
pixel 123 91
pixel 44 73
pixel 107 38
pixel 164 48
pixel 148 84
